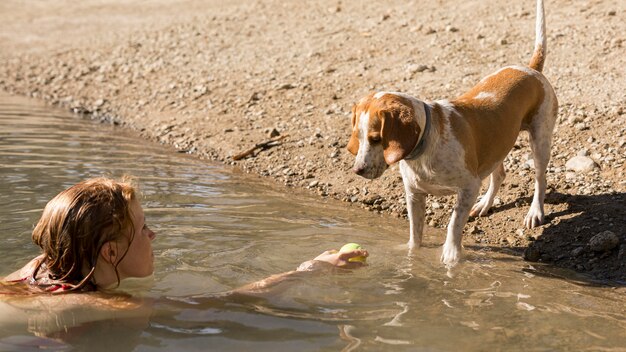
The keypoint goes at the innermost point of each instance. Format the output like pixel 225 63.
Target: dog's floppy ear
pixel 399 132
pixel 353 144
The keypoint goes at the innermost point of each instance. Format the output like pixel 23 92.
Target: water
pixel 218 229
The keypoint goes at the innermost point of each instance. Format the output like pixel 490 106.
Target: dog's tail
pixel 539 55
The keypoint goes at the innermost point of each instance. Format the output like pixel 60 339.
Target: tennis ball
pixel 350 247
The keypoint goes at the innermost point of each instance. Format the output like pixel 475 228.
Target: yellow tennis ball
pixel 350 247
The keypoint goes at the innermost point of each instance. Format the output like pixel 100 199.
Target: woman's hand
pixel 333 258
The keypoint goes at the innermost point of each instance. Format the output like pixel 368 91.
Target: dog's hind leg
pixel 540 145
pixel 482 207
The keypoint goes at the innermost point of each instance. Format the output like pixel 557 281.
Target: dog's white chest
pixel 425 179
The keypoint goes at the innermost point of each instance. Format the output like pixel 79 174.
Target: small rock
pixel 570 176
pixel 574 119
pixel 413 68
pixel 451 29
pixel 577 251
pixel 274 133
pixel 581 164
pixel 371 200
pixel 604 241
pixel 313 183
pixel 532 254
pixel 335 9
pixel 583 152
pixel 255 97
pixel 581 126
pixel 435 205
pixel 530 163
pixel 287 86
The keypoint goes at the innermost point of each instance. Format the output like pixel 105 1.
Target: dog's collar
pixel 421 144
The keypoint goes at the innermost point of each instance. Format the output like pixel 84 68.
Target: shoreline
pixel 218 79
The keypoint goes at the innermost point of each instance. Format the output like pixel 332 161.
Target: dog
pixel 447 147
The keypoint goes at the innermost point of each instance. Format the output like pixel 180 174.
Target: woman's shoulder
pixel 25 272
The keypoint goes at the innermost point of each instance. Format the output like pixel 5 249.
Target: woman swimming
pixel 94 234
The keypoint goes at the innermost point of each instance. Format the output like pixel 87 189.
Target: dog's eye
pixel 374 138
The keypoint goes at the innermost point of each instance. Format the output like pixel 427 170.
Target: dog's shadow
pixel 564 239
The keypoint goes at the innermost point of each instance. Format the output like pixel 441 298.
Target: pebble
pixel 273 133
pixel 532 254
pixel 581 126
pixel 603 241
pixel 577 251
pixel 413 68
pixel 581 163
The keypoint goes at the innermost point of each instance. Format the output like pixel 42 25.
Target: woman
pixel 94 234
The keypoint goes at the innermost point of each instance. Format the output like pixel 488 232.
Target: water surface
pixel 218 229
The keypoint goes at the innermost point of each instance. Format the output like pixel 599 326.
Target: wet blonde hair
pixel 75 225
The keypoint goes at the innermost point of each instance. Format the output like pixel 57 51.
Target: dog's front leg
pixel 415 206
pixel 452 247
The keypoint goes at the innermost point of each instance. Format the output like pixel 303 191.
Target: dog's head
pixel 384 131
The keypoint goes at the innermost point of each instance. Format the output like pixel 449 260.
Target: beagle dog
pixel 447 147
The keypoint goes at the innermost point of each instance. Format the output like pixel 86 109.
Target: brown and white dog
pixel 446 147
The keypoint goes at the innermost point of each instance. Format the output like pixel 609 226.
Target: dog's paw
pixel 534 217
pixel 451 255
pixel 413 245
pixel 481 208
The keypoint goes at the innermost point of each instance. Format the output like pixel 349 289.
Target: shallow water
pixel 218 229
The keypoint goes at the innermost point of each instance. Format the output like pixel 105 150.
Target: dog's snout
pixel 359 170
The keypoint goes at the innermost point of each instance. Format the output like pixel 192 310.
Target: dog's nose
pixel 359 170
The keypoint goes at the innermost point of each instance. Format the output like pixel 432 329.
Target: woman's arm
pixel 324 262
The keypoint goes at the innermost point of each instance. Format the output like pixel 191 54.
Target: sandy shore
pixel 214 80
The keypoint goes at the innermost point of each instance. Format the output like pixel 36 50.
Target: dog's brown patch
pixel 513 94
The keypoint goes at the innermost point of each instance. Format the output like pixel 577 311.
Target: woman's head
pixel 88 230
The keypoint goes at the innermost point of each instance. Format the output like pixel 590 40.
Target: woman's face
pixel 139 259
